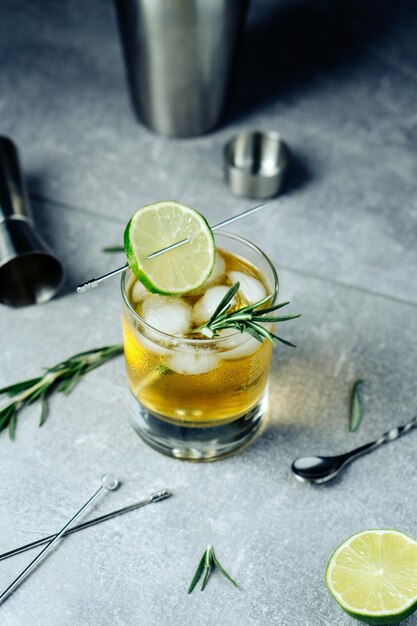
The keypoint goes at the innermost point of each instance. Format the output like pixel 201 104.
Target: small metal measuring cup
pixel 255 163
pixel 29 272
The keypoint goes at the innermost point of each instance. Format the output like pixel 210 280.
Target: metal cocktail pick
pixel 109 482
pixel 154 497
pixel 93 282
pixel 320 469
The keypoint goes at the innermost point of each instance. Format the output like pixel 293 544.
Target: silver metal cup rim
pixel 271 135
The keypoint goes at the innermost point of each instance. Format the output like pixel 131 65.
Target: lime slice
pixel 373 576
pixel 177 271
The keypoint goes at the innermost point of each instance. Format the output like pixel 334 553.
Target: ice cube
pixel 218 269
pixel 251 288
pixel 216 274
pixel 205 306
pixel 139 292
pixel 192 361
pixel 237 344
pixel 151 341
pixel 167 314
pixel 244 346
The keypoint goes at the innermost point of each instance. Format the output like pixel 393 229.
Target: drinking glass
pixel 198 399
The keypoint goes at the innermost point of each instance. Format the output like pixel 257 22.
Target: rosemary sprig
pixel 248 319
pixel 61 378
pixel 205 566
pixel 356 412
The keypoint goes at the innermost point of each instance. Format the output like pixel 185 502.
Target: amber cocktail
pixel 193 397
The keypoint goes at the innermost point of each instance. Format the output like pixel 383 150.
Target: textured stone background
pixel 338 80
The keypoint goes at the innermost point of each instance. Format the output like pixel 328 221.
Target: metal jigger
pixel 29 272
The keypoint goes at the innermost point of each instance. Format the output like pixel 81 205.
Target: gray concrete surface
pixel 340 84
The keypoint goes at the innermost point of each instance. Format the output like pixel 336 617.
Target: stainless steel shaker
pixel 29 272
pixel 179 56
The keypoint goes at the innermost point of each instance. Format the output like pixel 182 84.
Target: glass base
pixel 202 443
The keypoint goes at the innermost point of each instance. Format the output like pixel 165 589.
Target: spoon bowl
pixel 320 469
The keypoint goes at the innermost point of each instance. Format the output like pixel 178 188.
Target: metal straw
pixel 154 497
pixel 108 483
pixel 94 282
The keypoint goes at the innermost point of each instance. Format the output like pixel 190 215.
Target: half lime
pixel 373 576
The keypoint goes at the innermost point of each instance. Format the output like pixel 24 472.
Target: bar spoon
pixel 320 469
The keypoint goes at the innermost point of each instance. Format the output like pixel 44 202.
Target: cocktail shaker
pixel 179 56
pixel 29 272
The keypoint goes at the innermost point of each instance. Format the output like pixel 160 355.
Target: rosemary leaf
pixel 113 249
pixel 270 308
pixel 222 570
pixel 63 384
pixel 262 331
pixel 250 307
pixel 356 413
pixel 12 424
pixel 44 410
pixel 12 390
pixel 255 334
pixel 69 384
pixel 226 301
pixel 198 572
pixel 283 318
pixel 284 341
pixel 5 415
pixel 100 352
pixel 207 571
pixel 207 568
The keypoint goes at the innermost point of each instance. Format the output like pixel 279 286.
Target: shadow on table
pixel 53 221
pixel 299 173
pixel 304 415
pixel 290 47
